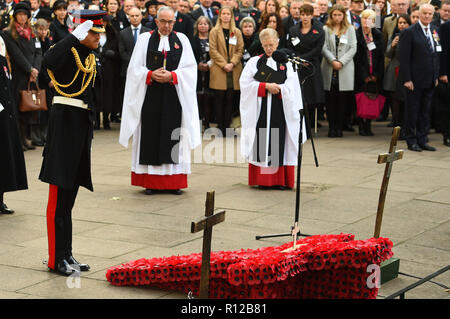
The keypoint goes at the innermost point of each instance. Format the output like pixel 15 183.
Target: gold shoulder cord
pixel 89 69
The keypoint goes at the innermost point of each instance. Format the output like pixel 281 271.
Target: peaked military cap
pixel 80 16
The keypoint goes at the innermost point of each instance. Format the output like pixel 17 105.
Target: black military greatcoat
pixel 12 164
pixel 67 154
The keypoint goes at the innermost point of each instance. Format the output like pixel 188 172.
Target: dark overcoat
pixel 13 174
pixel 110 96
pixel 309 48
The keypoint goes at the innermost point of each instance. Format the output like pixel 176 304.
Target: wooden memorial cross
pixel 389 159
pixel 206 224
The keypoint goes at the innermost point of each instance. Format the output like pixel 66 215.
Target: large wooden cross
pixel 206 224
pixel 389 159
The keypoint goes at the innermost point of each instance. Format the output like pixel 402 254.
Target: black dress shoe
pixel 39 143
pixel 149 191
pixel 63 268
pixel 331 133
pixel 415 148
pixel 74 264
pixel 427 147
pixel 177 192
pixel 5 210
pixel 348 128
pixel 447 141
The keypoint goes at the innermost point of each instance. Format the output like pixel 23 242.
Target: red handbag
pixel 369 105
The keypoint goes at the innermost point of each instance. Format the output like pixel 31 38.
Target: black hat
pixel 59 4
pixel 152 3
pixel 22 7
pixel 436 3
pixel 80 16
pixel 216 4
pixel 44 13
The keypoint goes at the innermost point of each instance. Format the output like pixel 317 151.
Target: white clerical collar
pixel 163 42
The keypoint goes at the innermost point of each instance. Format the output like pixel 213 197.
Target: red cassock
pixel 323 266
pixel 177 181
pixel 281 176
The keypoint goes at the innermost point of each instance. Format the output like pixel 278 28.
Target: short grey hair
pixel 268 33
pixel 425 5
pixel 165 8
pixel 247 20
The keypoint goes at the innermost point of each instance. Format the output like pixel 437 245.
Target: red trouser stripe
pixel 51 210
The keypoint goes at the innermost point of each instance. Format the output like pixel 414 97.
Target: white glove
pixel 82 30
pixel 1 107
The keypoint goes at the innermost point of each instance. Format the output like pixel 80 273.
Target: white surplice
pixel 250 108
pixel 135 90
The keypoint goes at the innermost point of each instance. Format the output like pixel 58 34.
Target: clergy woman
pixel 270 117
pixel 160 108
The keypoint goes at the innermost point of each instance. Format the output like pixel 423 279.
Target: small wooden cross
pixel 389 159
pixel 206 224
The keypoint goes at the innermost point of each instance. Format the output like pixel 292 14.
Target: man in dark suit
pixel 444 73
pixel 294 15
pixel 183 22
pixel 323 10
pixel 128 38
pixel 204 10
pixel 353 19
pixel 444 14
pixel 419 69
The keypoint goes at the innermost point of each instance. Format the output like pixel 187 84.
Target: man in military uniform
pixel 6 11
pixel 71 65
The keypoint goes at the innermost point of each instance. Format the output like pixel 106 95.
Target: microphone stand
pixel 299 166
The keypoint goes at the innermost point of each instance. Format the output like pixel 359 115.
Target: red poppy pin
pixel 180 20
pixel 282 67
pixel 237 18
pixel 176 46
pixel 315 31
pixel 232 35
pixel 252 13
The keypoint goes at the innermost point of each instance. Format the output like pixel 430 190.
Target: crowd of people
pixel 350 46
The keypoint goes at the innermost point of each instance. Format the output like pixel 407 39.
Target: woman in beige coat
pixel 226 47
pixel 338 70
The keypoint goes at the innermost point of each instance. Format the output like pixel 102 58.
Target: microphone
pixel 286 55
pixel 280 57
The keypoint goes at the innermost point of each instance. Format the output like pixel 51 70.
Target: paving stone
pixel 118 223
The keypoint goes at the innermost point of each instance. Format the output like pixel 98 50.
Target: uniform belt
pixel 70 101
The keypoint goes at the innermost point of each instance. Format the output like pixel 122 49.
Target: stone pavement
pixel 118 223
